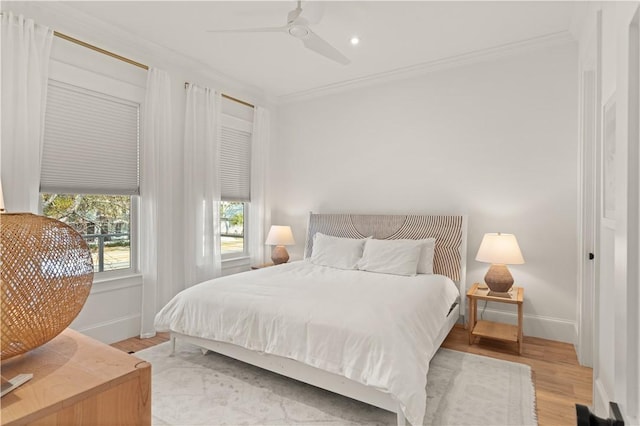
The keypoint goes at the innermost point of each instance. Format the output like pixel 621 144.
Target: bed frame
pixel 449 259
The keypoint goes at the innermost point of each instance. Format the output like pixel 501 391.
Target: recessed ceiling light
pixel 354 40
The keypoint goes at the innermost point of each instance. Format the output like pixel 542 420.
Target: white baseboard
pixel 537 326
pixel 585 355
pixel 114 330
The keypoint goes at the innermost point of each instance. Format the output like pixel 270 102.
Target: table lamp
pixel 279 237
pixel 500 250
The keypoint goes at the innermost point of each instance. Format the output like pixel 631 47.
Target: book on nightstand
pixel 8 385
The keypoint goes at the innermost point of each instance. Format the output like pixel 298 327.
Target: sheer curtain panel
pixel 202 185
pixel 259 160
pixel 156 206
pixel 26 48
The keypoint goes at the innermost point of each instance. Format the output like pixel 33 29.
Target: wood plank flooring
pixel 136 344
pixel 559 380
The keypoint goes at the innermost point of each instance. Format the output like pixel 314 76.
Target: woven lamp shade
pixel 46 274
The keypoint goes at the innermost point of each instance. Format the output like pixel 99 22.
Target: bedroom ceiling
pixel 393 34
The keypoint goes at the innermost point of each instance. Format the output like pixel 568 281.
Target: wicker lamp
pixel 280 236
pixel 46 272
pixel 500 250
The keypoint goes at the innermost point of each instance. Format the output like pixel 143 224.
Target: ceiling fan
pixel 298 27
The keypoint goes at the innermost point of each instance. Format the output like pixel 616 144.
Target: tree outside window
pixel 104 222
pixel 232 227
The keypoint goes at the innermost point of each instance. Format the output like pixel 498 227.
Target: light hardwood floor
pixel 559 380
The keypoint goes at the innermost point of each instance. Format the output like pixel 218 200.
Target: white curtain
pixel 26 48
pixel 156 240
pixel 258 214
pixel 202 185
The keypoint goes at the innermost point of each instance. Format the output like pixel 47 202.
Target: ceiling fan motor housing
pixel 299 31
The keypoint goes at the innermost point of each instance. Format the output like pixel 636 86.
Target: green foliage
pixel 78 210
pixel 237 219
pixel 231 214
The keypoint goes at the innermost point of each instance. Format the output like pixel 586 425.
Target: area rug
pixel 195 389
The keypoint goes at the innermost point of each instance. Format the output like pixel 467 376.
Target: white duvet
pixel 376 329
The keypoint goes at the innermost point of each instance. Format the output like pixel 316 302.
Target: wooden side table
pixel 490 329
pixel 263 265
pixel 78 380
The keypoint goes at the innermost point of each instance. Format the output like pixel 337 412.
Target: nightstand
pixel 490 329
pixel 263 265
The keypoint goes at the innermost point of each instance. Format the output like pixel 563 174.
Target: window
pixel 232 216
pixel 103 220
pixel 90 172
pixel 235 183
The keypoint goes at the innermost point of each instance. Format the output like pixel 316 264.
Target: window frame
pixel 134 267
pixel 228 119
pixel 74 75
pixel 245 224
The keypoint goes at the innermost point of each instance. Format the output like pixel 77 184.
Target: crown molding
pixel 74 22
pixel 429 67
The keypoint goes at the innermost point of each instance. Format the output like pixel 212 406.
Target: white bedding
pixel 376 329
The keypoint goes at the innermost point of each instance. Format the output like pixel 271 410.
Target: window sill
pixel 236 260
pixel 98 278
pixel 235 265
pixel 116 282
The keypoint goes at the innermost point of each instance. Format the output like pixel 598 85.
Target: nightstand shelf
pixel 496 330
pixel 491 329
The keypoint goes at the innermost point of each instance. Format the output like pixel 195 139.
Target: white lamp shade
pixel 500 249
pixel 280 236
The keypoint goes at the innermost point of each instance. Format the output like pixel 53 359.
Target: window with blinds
pixel 91 143
pixel 235 163
pixel 89 175
pixel 235 184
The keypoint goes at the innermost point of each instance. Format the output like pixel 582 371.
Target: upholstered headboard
pixel 450 233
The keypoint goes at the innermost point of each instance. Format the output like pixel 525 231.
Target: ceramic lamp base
pixel 498 278
pixel 279 255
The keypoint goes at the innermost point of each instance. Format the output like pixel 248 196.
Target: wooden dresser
pixel 78 381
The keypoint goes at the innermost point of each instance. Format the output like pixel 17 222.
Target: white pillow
pixel 336 252
pixel 398 257
pixel 425 264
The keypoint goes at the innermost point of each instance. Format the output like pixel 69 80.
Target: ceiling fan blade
pixel 318 45
pixel 252 30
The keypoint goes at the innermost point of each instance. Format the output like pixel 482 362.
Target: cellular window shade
pixel 235 164
pixel 90 143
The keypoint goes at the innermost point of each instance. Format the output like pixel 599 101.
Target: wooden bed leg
pixel 173 346
pixel 400 416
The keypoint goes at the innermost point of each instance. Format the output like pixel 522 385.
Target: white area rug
pixel 196 389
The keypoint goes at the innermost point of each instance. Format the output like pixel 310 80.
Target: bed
pixel 365 335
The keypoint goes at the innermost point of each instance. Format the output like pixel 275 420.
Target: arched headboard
pixel 450 232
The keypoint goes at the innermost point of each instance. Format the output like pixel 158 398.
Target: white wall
pixel 495 139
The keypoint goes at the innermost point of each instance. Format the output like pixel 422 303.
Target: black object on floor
pixel 587 418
